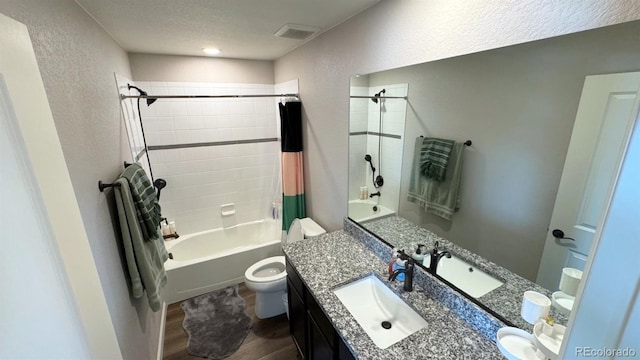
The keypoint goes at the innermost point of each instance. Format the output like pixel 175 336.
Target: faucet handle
pixel 403 256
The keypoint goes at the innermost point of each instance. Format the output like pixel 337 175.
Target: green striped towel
pixel 145 200
pixel 434 158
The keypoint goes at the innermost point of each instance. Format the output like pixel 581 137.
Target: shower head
pixel 159 184
pixel 142 92
pixel 367 158
pixel 374 99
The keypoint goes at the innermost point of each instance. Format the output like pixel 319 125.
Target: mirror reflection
pixel 529 170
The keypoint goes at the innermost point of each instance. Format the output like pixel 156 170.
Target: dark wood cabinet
pixel 297 319
pixel 311 330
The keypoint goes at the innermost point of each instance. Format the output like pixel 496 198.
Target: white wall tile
pixel 162 108
pixel 178 108
pixel 201 179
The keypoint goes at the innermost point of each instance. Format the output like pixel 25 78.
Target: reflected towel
pixel 434 157
pixel 438 198
pixel 145 258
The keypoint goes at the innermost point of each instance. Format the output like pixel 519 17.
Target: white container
pixel 570 281
pixel 535 306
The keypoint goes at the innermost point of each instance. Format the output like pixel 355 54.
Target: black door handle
pixel 559 234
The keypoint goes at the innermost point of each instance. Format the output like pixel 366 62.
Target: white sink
pixel 465 277
pixel 372 303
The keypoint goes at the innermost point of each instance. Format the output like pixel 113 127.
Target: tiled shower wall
pixel 214 151
pixel 365 132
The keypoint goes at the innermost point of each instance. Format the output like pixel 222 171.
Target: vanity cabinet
pixel 312 332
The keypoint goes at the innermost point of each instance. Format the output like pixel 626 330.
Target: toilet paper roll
pixel 570 280
pixel 535 306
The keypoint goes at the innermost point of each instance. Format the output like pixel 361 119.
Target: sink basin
pixel 465 276
pixel 385 317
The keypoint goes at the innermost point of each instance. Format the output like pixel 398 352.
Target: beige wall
pixel 77 60
pixel 150 67
pixel 399 33
pixel 518 106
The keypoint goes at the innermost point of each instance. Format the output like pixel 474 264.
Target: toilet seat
pixel 253 272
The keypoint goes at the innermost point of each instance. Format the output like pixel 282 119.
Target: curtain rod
pixel 122 96
pixel 377 97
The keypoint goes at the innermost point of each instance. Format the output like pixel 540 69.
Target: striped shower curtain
pixel 293 204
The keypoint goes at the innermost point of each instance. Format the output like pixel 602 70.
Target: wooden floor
pixel 268 339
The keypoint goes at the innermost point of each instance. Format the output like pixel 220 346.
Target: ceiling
pixel 242 29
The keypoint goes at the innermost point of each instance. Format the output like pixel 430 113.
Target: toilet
pixel 268 277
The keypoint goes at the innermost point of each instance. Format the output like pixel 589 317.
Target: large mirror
pixel 518 106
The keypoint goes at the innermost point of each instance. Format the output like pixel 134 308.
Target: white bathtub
pixel 362 210
pixel 213 259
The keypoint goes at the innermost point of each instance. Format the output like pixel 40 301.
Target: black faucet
pixel 375 194
pixel 409 265
pixel 435 258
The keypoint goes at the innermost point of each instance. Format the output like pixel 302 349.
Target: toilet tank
pixel 302 229
pixel 310 228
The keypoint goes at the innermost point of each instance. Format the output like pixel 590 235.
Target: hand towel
pixel 434 157
pixel 145 200
pixel 438 198
pixel 145 258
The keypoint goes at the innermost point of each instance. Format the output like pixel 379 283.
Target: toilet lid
pixel 295 231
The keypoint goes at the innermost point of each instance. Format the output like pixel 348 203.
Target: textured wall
pixel 77 60
pixel 150 67
pixel 398 33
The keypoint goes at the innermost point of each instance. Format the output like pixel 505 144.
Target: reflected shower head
pixel 142 92
pixel 375 100
pixel 367 158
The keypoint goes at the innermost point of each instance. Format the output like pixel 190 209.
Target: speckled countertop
pixel 505 300
pixel 337 258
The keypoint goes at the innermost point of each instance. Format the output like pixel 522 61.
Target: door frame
pixel 44 153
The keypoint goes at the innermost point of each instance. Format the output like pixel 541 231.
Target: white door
pixel 603 121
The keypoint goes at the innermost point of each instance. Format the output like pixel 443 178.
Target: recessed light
pixel 211 51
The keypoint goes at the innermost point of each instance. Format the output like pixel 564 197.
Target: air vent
pixel 297 32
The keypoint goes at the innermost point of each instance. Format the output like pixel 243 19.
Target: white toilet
pixel 268 277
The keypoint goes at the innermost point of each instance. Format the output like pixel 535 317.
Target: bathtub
pixel 362 210
pixel 214 259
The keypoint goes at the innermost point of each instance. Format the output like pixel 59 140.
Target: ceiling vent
pixel 297 32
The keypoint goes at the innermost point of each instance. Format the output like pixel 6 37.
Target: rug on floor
pixel 216 323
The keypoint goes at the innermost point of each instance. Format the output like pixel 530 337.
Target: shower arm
pixel 377 97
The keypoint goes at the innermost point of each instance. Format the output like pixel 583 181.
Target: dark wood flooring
pixel 268 339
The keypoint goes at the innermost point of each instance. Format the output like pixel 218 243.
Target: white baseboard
pixel 163 323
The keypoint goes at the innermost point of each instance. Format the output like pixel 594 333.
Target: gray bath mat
pixel 216 323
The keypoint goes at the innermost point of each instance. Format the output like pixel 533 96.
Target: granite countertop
pixel 337 258
pixel 505 300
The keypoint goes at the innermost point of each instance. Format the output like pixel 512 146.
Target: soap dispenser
pixel 418 255
pixel 399 265
pixel 394 257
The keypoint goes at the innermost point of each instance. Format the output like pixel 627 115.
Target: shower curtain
pixel 293 203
